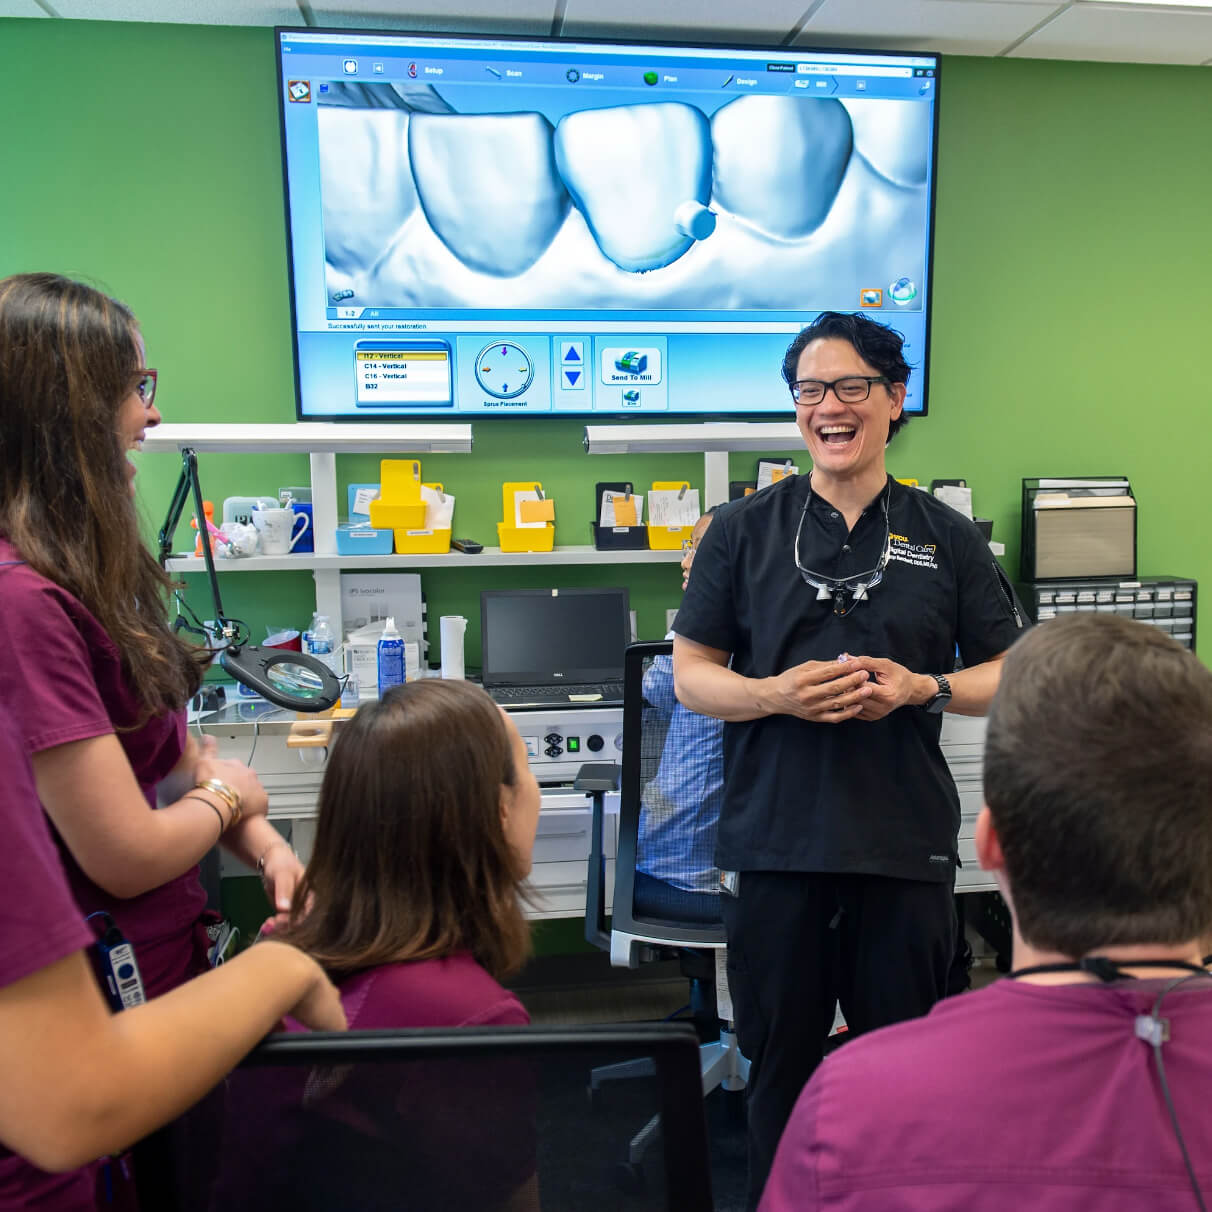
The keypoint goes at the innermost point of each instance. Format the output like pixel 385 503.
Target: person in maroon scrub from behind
pixel 95 679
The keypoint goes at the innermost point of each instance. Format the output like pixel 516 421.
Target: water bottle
pixel 309 634
pixel 321 642
pixel 390 658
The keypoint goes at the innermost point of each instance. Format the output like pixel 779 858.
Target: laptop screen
pixel 537 637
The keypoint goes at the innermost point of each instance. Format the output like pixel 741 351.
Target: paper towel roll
pixel 453 628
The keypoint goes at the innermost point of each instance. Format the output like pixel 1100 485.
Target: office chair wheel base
pixel 629 1178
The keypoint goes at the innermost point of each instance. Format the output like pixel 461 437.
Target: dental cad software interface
pixel 484 227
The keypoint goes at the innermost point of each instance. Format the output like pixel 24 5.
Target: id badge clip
pixel 115 963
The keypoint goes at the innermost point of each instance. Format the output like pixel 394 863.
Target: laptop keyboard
pixel 558 693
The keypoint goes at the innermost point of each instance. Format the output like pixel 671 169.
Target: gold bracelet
pixel 228 794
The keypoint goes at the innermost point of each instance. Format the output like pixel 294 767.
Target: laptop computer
pixel 554 647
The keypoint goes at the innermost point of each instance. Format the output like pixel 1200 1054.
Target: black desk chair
pixel 650 921
pixel 487 1119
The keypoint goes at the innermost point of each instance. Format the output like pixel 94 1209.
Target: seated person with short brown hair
pixel 1068 1085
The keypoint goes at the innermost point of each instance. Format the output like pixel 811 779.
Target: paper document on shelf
pixel 1062 500
pixel 771 473
pixel 439 508
pixel 673 507
pixel 960 499
pixel 363 498
pixel 527 511
pixel 621 509
pixel 542 510
pixel 1078 482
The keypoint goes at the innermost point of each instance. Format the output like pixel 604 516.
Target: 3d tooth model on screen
pixel 656 205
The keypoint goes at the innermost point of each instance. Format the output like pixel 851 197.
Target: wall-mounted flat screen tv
pixel 527 227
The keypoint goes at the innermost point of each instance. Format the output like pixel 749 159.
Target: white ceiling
pixel 1031 29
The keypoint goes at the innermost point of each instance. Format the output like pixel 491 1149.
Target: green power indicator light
pixel 574 744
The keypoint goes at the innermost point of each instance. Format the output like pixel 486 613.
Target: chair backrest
pixel 645 729
pixel 467 1118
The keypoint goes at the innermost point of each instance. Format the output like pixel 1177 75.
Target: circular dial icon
pixel 504 370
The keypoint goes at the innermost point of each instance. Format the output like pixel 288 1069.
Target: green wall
pixel 1072 263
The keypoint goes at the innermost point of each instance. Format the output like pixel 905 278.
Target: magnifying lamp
pixel 294 680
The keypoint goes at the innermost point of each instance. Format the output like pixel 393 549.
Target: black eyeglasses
pixel 145 388
pixel 853 389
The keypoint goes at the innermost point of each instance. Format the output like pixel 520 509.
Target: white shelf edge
pixel 312 437
pixel 696 438
pixel 490 557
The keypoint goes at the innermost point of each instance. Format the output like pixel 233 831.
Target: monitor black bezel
pixel 574 674
pixel 429 415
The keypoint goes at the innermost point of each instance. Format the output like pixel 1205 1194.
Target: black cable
pixel 1157 1036
pixel 196 626
pixel 1151 1027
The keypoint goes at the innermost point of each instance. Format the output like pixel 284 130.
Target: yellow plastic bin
pixel 387 515
pixel 668 538
pixel 422 542
pixel 525 538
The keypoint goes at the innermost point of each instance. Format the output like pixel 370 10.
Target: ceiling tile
pixel 767 23
pixel 468 16
pixel 1092 31
pixel 959 27
pixel 191 12
pixel 21 8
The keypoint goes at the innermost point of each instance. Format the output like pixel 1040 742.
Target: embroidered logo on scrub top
pixel 920 555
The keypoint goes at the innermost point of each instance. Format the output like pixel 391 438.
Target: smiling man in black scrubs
pixel 821 623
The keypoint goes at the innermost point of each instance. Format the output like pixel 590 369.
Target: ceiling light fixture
pixel 1150 3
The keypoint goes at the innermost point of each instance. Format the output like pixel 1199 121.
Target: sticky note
pixel 624 511
pixel 537 511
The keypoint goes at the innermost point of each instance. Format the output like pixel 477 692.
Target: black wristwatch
pixel 940 700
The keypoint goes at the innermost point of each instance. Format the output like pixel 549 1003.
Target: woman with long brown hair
pixel 412 902
pixel 412 899
pixel 89 666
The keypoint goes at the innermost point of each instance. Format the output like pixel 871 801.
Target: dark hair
pixel 411 860
pixel 68 358
pixel 877 344
pixel 1098 776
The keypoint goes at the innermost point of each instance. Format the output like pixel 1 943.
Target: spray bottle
pixel 390 658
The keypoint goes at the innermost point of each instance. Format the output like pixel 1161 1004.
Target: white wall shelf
pixel 704 436
pixel 310 437
pixel 322 442
pixel 490 557
pixel 715 439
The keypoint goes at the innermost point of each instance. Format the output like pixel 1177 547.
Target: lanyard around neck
pixel 857 584
pixel 1107 970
